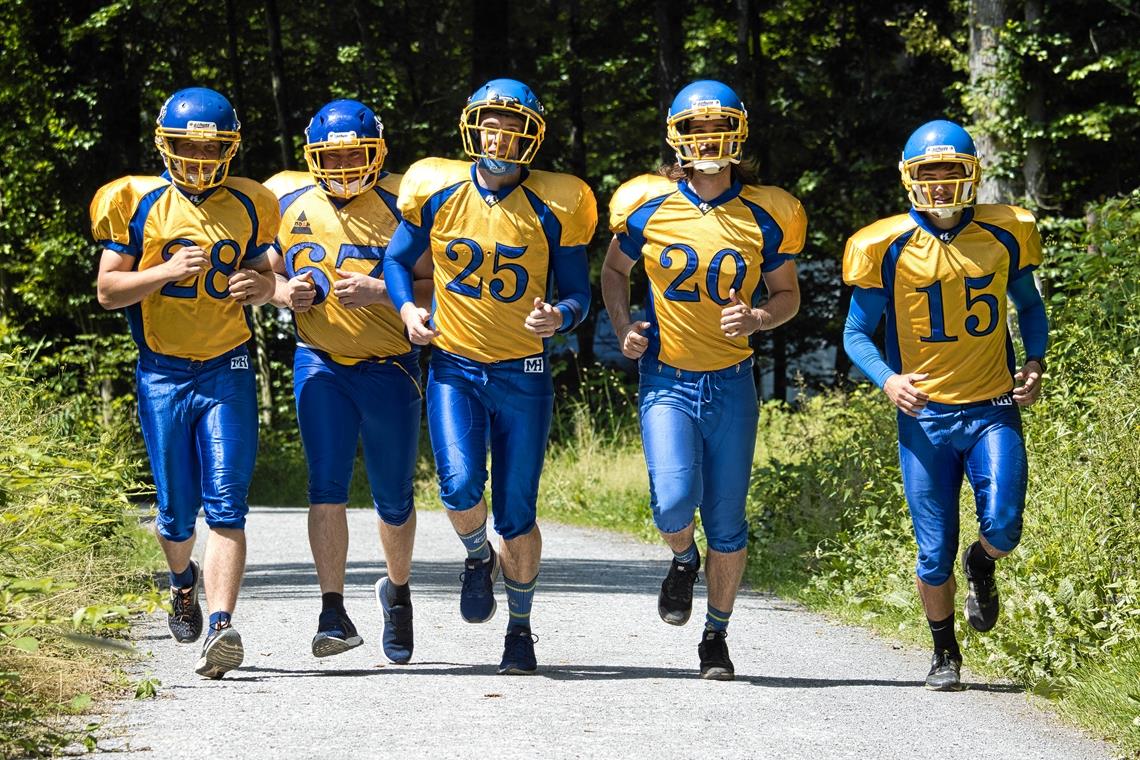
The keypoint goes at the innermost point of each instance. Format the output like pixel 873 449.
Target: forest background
pixel 1051 92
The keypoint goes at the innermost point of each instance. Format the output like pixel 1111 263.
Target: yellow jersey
pixel 946 294
pixel 492 250
pixel 320 234
pixel 149 219
pixel 695 252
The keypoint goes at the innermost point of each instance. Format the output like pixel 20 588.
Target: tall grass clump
pixel 72 565
pixel 829 522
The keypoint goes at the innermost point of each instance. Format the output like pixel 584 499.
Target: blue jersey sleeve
pixel 867 308
pixel 1031 316
pixel 408 242
pixel 572 276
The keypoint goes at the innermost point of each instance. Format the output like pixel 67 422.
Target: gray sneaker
pixel 186 619
pixel 221 652
pixel 945 672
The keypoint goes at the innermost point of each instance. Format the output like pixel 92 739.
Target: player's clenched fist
pixel 301 292
pixel 544 320
pixel 903 393
pixel 633 340
pixel 249 287
pixel 737 318
pixel 186 262
pixel 416 321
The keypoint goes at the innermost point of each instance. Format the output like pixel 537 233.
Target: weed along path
pixel 613 681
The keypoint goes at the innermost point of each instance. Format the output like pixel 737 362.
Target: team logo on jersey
pixel 239 362
pixel 301 226
pixel 534 366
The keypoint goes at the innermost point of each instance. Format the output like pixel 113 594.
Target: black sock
pixel 399 594
pixel 978 562
pixel 942 631
pixel 332 601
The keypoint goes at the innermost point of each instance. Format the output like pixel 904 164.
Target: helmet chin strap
pixel 496 167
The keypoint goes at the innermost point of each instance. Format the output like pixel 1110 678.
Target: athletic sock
pixel 399 594
pixel 219 620
pixel 688 557
pixel 184 579
pixel 519 598
pixel 978 562
pixel 332 601
pixel 942 631
pixel 476 543
pixel 716 620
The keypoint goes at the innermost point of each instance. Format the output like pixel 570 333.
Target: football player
pixel 942 273
pixel 709 235
pixel 184 254
pixel 355 375
pixel 501 237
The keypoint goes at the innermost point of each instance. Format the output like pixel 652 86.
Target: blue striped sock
pixel 716 620
pixel 476 543
pixel 519 598
pixel 689 556
pixel 219 619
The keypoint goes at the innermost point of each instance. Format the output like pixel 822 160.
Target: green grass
pixel 74 566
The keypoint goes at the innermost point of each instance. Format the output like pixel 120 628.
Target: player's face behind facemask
pixel 346 172
pixel 507 135
pixel 194 163
pixel 943 188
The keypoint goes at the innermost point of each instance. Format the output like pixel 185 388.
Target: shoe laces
pixel 520 641
pixel 475 575
pixel 182 600
pixel 679 582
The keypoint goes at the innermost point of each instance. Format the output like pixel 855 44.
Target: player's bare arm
pixel 739 319
pixel 296 293
pixel 615 294
pixel 118 285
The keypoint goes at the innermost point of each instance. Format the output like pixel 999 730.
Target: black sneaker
pixel 675 601
pixel 518 652
pixel 397 640
pixel 186 619
pixel 713 651
pixel 335 634
pixel 477 598
pixel 982 604
pixel 221 652
pixel 945 672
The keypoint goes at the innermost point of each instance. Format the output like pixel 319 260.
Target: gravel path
pixel 613 680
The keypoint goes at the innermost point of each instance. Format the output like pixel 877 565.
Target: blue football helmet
pixel 940 142
pixel 497 147
pixel 344 125
pixel 706 152
pixel 203 116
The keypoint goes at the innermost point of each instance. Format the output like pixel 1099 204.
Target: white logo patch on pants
pixel 535 365
pixel 239 362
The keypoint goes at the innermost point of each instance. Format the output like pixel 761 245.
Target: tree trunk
pixel 586 330
pixel 280 92
pixel 490 44
pixel 1036 146
pixel 990 91
pixel 235 72
pixel 669 14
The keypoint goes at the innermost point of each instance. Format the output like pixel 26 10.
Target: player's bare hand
pixel 187 261
pixel 302 292
pixel 416 321
pixel 1030 378
pixel 355 289
pixel 738 319
pixel 904 394
pixel 633 340
pixel 544 320
pixel 248 287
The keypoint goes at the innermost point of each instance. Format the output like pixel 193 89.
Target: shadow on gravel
pixel 558 575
